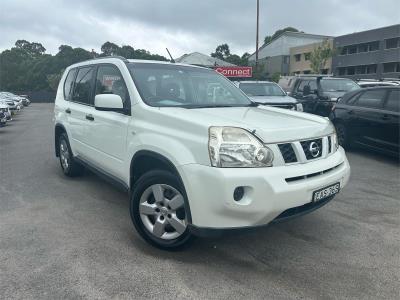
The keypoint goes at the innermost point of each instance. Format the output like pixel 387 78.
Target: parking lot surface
pixel 73 238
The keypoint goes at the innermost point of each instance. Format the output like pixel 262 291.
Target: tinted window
pixel 83 85
pixel 109 81
pixel 393 101
pixel 371 99
pixel 300 87
pixel 68 84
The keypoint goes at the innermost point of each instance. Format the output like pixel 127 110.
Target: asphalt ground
pixel 73 238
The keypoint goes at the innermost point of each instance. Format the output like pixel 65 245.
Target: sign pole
pixel 258 14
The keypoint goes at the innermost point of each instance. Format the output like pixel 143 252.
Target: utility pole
pixel 258 14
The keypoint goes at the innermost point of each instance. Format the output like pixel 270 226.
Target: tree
pixel 54 79
pixel 221 52
pixel 275 77
pixel 270 38
pixel 320 55
pixel 33 49
pixel 109 48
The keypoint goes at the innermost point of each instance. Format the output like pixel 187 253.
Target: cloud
pixel 185 25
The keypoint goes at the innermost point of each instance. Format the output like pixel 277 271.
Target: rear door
pixel 367 117
pixel 80 108
pixel 108 130
pixel 391 119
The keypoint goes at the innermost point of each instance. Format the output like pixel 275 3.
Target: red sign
pixel 235 71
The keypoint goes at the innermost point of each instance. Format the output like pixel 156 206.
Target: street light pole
pixel 258 13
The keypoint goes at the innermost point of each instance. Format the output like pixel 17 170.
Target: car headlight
pixel 231 147
pixel 299 107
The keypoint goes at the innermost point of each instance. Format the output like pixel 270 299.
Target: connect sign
pixel 235 71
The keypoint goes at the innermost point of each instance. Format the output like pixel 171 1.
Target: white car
pixel 5 110
pixel 196 155
pixel 268 93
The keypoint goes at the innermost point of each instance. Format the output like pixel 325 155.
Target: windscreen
pixel 261 89
pixel 169 85
pixel 338 85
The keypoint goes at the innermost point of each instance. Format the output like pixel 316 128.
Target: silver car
pixel 268 93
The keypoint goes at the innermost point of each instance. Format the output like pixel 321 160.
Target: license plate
pixel 326 192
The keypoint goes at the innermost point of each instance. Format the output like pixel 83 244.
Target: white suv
pixel 196 155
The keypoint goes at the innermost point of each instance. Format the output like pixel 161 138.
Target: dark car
pixel 318 94
pixel 370 118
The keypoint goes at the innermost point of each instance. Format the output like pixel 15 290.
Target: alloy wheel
pixel 64 154
pixel 162 212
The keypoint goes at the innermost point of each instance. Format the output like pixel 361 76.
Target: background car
pixel 4 109
pixel 318 93
pixel 366 83
pixel 370 118
pixel 268 93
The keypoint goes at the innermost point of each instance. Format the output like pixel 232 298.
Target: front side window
pixel 261 89
pixel 109 81
pixel 393 102
pixel 83 86
pixel 168 85
pixel 69 83
pixel 372 99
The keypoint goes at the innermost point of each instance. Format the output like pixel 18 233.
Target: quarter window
pixel 371 99
pixel 69 83
pixel 83 86
pixel 393 102
pixel 109 81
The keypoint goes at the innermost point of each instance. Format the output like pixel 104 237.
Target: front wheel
pixel 68 164
pixel 159 210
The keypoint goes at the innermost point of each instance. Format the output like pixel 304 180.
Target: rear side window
pixel 69 83
pixel 301 85
pixel 83 86
pixel 109 81
pixel 393 101
pixel 372 99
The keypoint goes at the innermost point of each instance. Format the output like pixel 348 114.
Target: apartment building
pixel 371 54
pixel 300 59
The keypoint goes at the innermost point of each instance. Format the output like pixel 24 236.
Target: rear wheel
pixel 159 212
pixel 68 164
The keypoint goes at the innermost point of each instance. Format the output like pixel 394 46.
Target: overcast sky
pixel 183 26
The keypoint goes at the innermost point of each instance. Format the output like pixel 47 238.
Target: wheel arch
pixel 145 160
pixel 58 130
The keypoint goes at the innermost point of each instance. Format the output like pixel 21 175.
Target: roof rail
pixel 112 56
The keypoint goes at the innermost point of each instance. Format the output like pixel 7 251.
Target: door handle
pixel 68 111
pixel 89 117
pixel 351 112
pixel 385 117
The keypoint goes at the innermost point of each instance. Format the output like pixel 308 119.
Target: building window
pixel 325 71
pixel 371 69
pixel 392 43
pixel 351 70
pixel 343 51
pixel 391 67
pixel 342 71
pixel 286 59
pixel 374 46
pixel 307 55
pixel 297 57
pixel 363 48
pixel 307 72
pixel 352 49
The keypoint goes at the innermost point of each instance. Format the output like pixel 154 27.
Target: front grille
pixel 329 144
pixel 312 148
pixel 288 153
pixel 307 176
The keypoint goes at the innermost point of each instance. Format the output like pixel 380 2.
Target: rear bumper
pixel 268 193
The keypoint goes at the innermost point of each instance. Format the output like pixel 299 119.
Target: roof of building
pixel 200 59
pixel 294 34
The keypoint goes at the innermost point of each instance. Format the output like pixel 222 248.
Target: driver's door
pixel 108 129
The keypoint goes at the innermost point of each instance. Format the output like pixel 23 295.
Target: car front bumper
pixel 268 192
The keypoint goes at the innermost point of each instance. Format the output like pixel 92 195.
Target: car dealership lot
pixel 70 238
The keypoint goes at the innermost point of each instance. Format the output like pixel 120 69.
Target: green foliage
pixel 320 55
pixel 223 52
pixel 26 67
pixel 270 38
pixel 275 77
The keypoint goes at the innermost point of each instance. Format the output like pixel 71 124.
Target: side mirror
pixel 306 90
pixel 108 102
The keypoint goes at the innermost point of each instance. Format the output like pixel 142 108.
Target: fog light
pixel 238 193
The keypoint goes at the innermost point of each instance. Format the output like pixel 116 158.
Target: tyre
pixel 342 135
pixel 68 164
pixel 159 211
